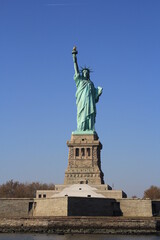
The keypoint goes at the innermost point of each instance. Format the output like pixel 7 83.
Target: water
pixel 75 237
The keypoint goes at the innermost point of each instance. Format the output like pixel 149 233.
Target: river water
pixel 76 237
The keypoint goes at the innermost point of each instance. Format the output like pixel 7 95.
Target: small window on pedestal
pixel 82 152
pixel 77 152
pixel 88 152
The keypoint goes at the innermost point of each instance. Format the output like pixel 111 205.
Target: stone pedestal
pixel 84 163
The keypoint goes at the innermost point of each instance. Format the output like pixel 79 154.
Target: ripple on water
pixel 75 237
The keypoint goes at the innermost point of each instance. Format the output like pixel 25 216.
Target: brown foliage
pixel 134 196
pixel 153 193
pixel 15 189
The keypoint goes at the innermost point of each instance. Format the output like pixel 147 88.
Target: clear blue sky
pixel 120 41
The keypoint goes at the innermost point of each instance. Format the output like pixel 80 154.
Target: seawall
pixel 96 225
pixel 77 206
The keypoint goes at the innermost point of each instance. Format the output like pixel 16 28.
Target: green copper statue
pixel 86 98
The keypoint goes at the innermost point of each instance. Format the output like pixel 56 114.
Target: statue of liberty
pixel 86 98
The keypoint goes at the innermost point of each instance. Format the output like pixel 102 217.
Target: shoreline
pixel 81 225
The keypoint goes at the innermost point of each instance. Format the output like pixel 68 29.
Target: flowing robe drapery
pixel 86 98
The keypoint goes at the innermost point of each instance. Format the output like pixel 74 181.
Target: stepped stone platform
pixel 84 190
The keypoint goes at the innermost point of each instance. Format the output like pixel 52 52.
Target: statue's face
pixel 85 73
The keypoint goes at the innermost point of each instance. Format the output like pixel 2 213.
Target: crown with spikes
pixel 86 68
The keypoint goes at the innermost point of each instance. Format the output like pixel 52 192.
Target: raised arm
pixel 74 53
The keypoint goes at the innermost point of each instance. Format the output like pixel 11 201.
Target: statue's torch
pixel 74 51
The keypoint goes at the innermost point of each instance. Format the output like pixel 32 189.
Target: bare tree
pixel 153 192
pixel 134 196
pixel 14 189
